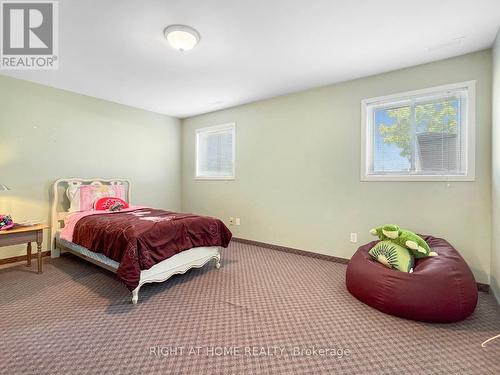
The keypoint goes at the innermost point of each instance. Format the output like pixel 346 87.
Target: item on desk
pixel 6 222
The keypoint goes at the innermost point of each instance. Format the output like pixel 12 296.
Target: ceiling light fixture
pixel 181 37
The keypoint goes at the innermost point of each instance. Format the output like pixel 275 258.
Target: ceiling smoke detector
pixel 182 37
pixel 450 43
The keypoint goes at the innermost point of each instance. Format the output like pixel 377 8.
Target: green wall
pixel 46 134
pixel 495 249
pixel 297 163
pixel 298 170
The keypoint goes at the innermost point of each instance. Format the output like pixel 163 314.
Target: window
pixel 215 149
pixel 425 135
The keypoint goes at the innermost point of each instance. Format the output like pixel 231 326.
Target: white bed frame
pixel 180 263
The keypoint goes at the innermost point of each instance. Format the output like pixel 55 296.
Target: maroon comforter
pixel 141 238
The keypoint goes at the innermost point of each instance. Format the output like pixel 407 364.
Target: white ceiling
pixel 251 49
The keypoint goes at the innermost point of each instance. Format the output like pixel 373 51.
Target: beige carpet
pixel 77 319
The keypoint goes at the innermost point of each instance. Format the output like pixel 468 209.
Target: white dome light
pixel 182 37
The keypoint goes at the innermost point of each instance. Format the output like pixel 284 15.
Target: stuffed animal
pixel 405 238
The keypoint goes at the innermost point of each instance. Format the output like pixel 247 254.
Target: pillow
pixel 393 256
pixel 110 204
pixel 83 197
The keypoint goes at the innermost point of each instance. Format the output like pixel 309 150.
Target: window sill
pixel 214 178
pixel 422 178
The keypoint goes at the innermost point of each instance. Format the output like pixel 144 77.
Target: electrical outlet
pixel 237 221
pixel 354 237
pixel 231 220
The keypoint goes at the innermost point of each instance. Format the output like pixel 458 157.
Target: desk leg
pixel 28 255
pixel 39 254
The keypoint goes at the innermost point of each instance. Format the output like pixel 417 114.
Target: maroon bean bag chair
pixel 440 289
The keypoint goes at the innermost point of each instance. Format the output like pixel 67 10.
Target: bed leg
pixel 217 261
pixel 55 253
pixel 135 295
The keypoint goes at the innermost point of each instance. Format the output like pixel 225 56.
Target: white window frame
pixel 469 133
pixel 229 126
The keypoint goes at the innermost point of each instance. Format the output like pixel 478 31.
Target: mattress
pixel 86 252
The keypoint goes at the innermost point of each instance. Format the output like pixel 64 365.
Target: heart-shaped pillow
pixel 110 204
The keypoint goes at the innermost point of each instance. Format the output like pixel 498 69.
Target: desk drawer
pixel 8 239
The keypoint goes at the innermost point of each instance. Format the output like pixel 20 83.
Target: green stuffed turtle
pixel 405 238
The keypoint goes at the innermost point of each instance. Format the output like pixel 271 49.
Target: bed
pixel 157 270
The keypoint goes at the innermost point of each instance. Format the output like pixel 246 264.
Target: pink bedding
pixel 72 219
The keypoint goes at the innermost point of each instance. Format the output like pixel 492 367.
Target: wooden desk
pixel 25 234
